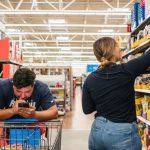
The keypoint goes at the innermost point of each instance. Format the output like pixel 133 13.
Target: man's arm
pixel 51 113
pixel 6 113
pixel 10 112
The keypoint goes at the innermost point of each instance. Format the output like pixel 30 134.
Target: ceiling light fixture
pixel 66 12
pixel 119 10
pixel 68 25
pixel 56 21
pixel 65 61
pixel 106 31
pixel 62 38
pixel 56 47
pixel 65 48
pixel 65 33
pixel 61 56
pixel 60 52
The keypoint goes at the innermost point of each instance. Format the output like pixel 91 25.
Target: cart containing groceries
pixel 30 134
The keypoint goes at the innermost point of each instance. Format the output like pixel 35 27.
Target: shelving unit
pixel 10 62
pixel 52 75
pixel 142 95
pixel 59 93
pixel 142 91
pixel 140 48
pixel 143 120
pixel 10 58
pixel 141 26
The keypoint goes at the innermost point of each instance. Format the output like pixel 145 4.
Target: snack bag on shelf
pixel 148 114
pixel 138 106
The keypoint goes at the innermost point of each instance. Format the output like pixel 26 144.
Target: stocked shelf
pixel 143 120
pixel 141 26
pixel 10 62
pixel 140 48
pixel 139 43
pixel 59 80
pixel 59 100
pixel 54 88
pixel 142 91
pixel 59 85
pixel 10 58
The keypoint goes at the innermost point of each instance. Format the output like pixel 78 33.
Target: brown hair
pixel 103 50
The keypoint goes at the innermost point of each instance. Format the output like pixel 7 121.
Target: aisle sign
pixel 91 67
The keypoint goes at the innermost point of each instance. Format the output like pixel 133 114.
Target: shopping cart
pixel 30 134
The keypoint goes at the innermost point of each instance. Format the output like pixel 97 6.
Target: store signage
pixel 91 67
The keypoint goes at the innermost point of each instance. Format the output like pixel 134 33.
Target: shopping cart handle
pixel 26 120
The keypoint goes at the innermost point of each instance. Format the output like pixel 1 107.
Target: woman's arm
pixel 88 105
pixel 138 65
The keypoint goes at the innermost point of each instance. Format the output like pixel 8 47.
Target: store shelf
pixel 141 26
pixel 10 62
pixel 140 48
pixel 61 113
pixel 54 88
pixel 142 91
pixel 59 100
pixel 143 120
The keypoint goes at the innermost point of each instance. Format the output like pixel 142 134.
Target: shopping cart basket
pixel 30 134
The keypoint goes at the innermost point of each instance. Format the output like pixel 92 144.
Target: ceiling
pixel 34 23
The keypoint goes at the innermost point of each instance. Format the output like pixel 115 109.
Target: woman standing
pixel 110 92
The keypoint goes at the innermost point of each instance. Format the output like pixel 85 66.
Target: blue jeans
pixel 107 135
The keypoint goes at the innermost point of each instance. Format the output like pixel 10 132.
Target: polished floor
pixel 76 126
pixel 76 119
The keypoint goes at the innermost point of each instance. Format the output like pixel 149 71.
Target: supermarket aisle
pixel 76 126
pixel 75 119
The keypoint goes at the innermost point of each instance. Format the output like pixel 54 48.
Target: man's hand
pixel 26 112
pixel 15 107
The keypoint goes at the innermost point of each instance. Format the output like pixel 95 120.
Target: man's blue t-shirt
pixel 41 97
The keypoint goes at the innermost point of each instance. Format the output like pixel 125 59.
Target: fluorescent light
pixel 106 31
pixel 66 12
pixel 60 52
pixel 65 48
pixel 13 30
pixel 65 61
pixel 119 9
pixel 61 56
pixel 58 63
pixel 56 21
pixel 68 25
pixel 28 44
pixel 56 47
pixel 66 33
pixel 62 38
pixel 72 41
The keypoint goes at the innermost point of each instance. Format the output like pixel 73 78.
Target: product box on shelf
pixel 143 106
pixel 137 14
pixel 8 53
pixel 147 137
pixel 147 8
pixel 142 4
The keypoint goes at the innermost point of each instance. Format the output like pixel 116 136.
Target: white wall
pixel 79 70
